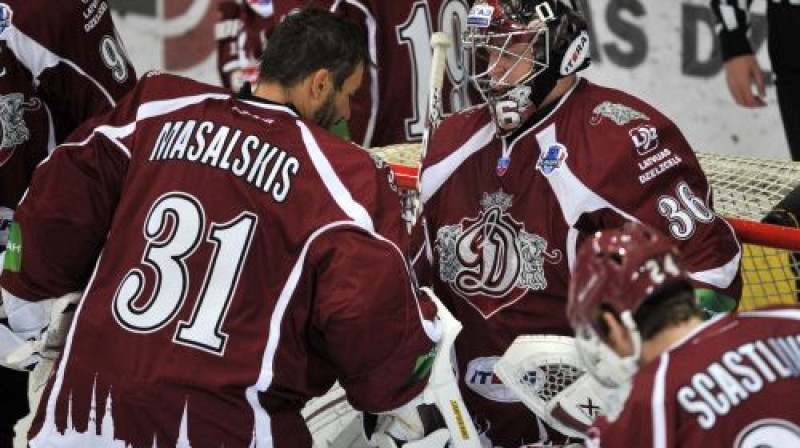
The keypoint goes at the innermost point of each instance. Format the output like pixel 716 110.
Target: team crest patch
pixel 13 129
pixel 6 14
pixel 645 138
pixel 552 159
pixel 618 113
pixel 491 261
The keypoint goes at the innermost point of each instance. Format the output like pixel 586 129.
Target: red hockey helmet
pixel 618 270
pixel 520 48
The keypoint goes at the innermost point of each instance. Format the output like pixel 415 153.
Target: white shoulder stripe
pixel 162 107
pixel 337 189
pixel 790 314
pixel 145 110
pixel 36 58
pixel 434 176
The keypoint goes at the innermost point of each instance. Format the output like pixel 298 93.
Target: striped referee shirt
pixel 733 18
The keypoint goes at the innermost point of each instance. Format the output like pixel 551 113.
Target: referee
pixel 741 68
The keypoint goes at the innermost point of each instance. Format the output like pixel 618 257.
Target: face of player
pixel 511 66
pixel 337 104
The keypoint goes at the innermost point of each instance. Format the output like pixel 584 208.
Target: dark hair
pixel 309 40
pixel 668 306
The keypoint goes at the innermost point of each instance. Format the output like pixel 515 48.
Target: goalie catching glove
pixel 546 374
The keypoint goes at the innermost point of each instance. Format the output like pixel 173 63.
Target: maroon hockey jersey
pixel 236 261
pixel 503 236
pixel 391 107
pixel 242 29
pixel 733 382
pixel 60 63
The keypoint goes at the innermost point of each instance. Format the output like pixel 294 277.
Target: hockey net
pixel 745 190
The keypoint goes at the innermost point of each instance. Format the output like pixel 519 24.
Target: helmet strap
pixel 543 84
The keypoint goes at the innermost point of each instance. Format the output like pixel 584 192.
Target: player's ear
pixel 321 83
pixel 618 337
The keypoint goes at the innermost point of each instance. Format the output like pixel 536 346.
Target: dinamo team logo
pixel 490 260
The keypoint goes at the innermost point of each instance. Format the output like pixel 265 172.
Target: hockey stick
pixel 440 43
pixel 442 389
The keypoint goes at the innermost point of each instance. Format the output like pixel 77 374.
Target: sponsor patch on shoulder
pixel 13 259
pixel 551 159
pixel 618 113
pixel 6 14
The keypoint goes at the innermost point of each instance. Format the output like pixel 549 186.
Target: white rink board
pixel 642 45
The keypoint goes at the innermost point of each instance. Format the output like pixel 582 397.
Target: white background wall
pixel 660 50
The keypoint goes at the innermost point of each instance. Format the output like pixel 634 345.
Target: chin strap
pixel 544 83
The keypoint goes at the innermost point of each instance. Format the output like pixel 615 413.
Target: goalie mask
pixel 617 271
pixel 519 49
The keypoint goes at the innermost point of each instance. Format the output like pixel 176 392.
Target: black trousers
pixel 13 402
pixel 783 21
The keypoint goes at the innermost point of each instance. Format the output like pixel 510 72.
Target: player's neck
pixel 277 93
pixel 666 338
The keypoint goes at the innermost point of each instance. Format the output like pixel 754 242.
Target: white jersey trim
pixel 657 404
pixel 791 314
pixel 144 111
pixel 333 183
pixel 374 88
pixel 573 196
pixel 434 176
pixel 36 58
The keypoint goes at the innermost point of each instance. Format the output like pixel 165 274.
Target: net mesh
pixel 556 377
pixel 748 188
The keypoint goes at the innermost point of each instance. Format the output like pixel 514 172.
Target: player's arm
pixel 733 19
pixel 55 239
pixel 372 319
pixel 742 72
pixel 653 159
pixel 87 69
pixel 62 222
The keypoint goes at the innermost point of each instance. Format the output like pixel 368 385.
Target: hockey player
pixel 510 189
pixel 391 108
pixel 235 260
pixel 723 383
pixel 241 32
pixel 60 63
pixel 743 73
